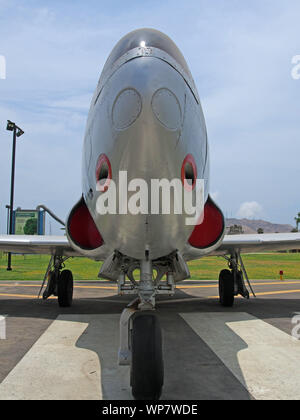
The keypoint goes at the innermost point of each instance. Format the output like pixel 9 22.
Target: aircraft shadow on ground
pixel 192 369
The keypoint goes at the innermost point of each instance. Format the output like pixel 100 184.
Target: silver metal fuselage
pixel 146 117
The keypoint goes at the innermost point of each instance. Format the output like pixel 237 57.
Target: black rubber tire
pixel 226 288
pixel 147 370
pixel 51 287
pixel 65 289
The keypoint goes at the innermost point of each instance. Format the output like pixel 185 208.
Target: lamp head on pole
pixel 10 125
pixel 19 132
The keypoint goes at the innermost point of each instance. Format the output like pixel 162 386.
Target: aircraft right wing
pixel 37 244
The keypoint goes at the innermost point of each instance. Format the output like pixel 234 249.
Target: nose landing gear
pixel 140 333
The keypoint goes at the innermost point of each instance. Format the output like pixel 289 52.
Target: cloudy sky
pixel 239 52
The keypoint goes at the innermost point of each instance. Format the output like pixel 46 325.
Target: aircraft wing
pixel 259 243
pixel 59 245
pixel 37 244
pixel 249 243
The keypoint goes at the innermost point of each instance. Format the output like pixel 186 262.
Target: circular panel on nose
pixel 126 109
pixel 166 108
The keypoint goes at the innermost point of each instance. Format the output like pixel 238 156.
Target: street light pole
pixel 17 132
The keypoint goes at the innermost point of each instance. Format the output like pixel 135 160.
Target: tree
pixel 260 231
pixel 235 230
pixel 30 227
pixel 297 219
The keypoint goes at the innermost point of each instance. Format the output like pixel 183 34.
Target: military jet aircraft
pixel 145 121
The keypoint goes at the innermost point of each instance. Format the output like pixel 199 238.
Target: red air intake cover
pixel 211 229
pixel 82 228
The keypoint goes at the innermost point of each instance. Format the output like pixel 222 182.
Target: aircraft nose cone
pixel 146 104
pixel 147 116
pixel 147 119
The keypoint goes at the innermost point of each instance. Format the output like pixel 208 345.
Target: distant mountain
pixel 251 226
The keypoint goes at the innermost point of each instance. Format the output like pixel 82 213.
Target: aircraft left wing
pixel 252 243
pixel 37 244
pixel 249 243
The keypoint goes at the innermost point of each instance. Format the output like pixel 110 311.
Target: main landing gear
pixel 231 282
pixel 60 282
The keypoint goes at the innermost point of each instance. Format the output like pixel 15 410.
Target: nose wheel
pixel 147 371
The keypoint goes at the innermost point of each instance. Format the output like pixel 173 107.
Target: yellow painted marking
pixel 196 287
pixel 215 285
pixel 76 287
pixel 178 287
pixel 275 282
pixel 25 296
pixel 278 292
pixel 96 287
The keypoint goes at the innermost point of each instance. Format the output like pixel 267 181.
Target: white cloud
pixel 249 210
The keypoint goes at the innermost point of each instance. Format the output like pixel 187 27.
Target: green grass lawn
pixel 259 266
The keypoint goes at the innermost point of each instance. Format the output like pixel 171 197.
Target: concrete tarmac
pixel 210 352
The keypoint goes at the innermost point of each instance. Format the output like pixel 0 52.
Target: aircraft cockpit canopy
pixel 147 38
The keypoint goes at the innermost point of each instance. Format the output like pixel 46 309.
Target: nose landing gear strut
pixel 141 339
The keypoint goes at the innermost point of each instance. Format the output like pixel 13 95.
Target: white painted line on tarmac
pixel 263 358
pixel 75 358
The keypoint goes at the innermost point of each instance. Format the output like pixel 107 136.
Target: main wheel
pixel 226 288
pixel 65 288
pixel 51 286
pixel 147 371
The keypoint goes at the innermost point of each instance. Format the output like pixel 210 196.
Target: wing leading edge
pixel 258 243
pixel 59 245
pixel 37 244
